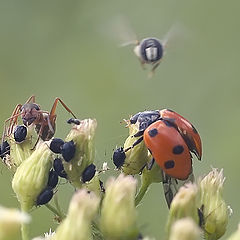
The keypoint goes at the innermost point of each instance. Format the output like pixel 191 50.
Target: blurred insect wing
pixel 172 185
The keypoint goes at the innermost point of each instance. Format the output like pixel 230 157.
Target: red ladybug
pixel 168 149
pixel 170 138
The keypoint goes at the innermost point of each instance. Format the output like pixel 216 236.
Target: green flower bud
pixel 32 175
pixel 83 137
pixel 235 235
pixel 184 205
pixel 19 151
pixel 137 157
pixel 185 229
pixel 214 209
pixel 94 185
pixel 10 223
pixel 77 224
pixel 118 215
pixel 154 175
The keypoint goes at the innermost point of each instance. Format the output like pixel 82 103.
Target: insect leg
pixel 154 68
pixel 13 121
pixel 53 110
pixel 31 99
pixel 134 144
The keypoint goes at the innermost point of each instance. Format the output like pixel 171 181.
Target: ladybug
pixel 170 138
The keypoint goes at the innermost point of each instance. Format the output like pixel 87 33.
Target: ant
pixel 31 114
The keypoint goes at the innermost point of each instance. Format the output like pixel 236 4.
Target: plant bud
pixel 118 215
pixel 10 223
pixel 214 209
pixel 31 176
pixel 82 136
pixel 183 205
pixel 185 229
pixel 77 224
pixel 136 157
pixel 19 151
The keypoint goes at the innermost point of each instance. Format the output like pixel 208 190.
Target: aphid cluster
pixel 46 195
pixel 67 150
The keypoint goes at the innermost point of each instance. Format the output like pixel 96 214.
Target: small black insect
pixel 58 167
pixel 56 145
pixel 88 173
pixel 45 196
pixel 101 186
pixel 52 179
pixel 4 149
pixel 119 157
pixel 73 120
pixel 20 133
pixel 68 150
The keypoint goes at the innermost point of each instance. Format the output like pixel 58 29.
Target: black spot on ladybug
pixel 153 132
pixel 119 157
pixel 194 129
pixel 68 150
pixel 169 164
pixel 20 133
pixel 178 149
pixel 56 145
pixel 168 123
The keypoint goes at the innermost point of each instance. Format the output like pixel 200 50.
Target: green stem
pixel 55 211
pixel 58 206
pixel 143 189
pixel 25 231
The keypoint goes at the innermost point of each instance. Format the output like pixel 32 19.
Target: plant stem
pixel 25 231
pixel 55 211
pixel 58 206
pixel 143 189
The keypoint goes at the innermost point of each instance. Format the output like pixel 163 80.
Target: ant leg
pixel 50 125
pixel 53 110
pixel 134 144
pixel 13 118
pixel 13 121
pixel 31 99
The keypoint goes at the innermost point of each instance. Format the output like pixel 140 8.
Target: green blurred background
pixel 61 48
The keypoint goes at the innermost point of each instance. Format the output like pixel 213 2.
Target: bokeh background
pixel 63 48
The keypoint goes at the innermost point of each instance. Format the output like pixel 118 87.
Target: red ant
pixel 31 113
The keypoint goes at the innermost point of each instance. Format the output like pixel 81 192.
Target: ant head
pixel 30 112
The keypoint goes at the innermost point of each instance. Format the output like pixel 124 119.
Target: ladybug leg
pixel 139 133
pixel 150 165
pixel 134 144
